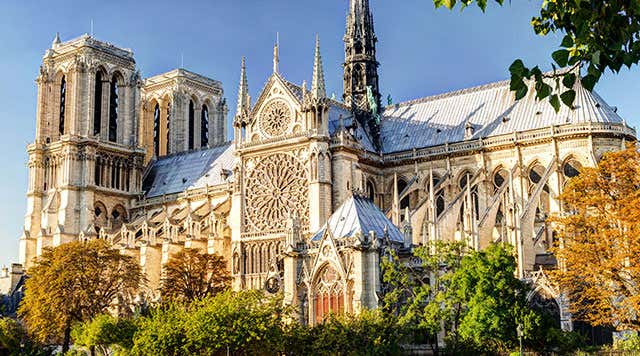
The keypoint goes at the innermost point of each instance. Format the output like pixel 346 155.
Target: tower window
pixel 168 126
pixel 63 99
pixel 97 105
pixel 191 124
pixel 113 110
pixel 156 130
pixel 204 127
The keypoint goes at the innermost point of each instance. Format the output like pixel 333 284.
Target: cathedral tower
pixel 85 166
pixel 361 67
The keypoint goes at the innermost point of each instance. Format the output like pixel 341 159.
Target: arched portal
pixel 328 293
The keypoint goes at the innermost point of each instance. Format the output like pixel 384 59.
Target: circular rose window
pixel 276 118
pixel 276 188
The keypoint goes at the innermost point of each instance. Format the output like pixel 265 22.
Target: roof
pixel 359 215
pixel 490 109
pixel 189 170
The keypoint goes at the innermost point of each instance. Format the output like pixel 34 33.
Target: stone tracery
pixel 276 118
pixel 276 187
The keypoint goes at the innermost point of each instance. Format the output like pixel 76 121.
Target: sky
pixel 422 51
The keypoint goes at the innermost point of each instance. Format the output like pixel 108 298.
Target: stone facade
pixel 311 192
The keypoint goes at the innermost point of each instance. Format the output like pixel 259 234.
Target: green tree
pixel 191 274
pixel 73 283
pixel 104 333
pixel 162 332
pixel 417 294
pixel 494 299
pixel 15 341
pixel 245 322
pixel 371 332
pixel 598 35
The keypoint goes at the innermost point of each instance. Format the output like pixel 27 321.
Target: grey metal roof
pixel 194 169
pixel 359 215
pixel 490 109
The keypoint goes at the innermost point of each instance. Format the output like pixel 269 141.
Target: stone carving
pixel 275 188
pixel 276 118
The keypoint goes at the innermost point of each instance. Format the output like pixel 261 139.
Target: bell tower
pixel 361 88
pixel 85 166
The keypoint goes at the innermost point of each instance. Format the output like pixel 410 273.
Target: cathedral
pixel 312 191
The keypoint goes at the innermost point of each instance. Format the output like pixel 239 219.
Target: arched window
pixel 156 130
pixel 204 127
pixel 440 204
pixel 63 100
pixel 329 296
pixel 499 178
pixel 571 168
pixel 404 202
pixel 118 216
pixel 371 191
pixel 113 110
pixel 191 124
pixel 97 104
pixel 168 126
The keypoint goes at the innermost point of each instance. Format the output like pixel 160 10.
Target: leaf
pixel 567 41
pixel 589 81
pixel 595 58
pixel 555 102
pixel 543 90
pixel 569 80
pixel 561 57
pixel 518 68
pixel 568 98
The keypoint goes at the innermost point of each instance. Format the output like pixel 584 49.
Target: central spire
pixel 361 89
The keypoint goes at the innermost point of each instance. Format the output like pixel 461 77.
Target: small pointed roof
pixel 359 215
pixel 317 84
pixel 56 40
pixel 243 89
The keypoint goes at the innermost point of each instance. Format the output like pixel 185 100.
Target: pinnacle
pixel 317 85
pixel 243 90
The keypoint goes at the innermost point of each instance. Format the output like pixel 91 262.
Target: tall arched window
pixel 329 294
pixel 97 105
pixel 156 130
pixel 63 99
pixel 402 185
pixel 113 110
pixel 204 127
pixel 168 142
pixel 371 191
pixel 191 124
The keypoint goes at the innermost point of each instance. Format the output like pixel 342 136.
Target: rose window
pixel 275 189
pixel 276 118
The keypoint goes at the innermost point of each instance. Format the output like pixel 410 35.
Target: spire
pixel 243 90
pixel 56 40
pixel 361 87
pixel 317 85
pixel 276 54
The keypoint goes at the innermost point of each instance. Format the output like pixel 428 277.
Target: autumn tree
pixel 72 283
pixel 599 35
pixel 191 274
pixel 599 242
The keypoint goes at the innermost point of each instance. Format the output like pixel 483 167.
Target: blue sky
pixel 422 51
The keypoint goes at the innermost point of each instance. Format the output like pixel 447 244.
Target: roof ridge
pixel 201 149
pixel 449 94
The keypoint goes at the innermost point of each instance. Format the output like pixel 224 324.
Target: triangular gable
pixel 265 94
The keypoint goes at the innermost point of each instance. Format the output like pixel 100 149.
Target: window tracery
pixel 275 188
pixel 276 118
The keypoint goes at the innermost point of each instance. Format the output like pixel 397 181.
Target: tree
pixel 105 333
pixel 191 275
pixel 72 283
pixel 416 294
pixel 598 35
pixel 245 322
pixel 599 242
pixel 473 296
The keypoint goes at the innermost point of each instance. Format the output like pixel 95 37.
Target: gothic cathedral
pixel 311 192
